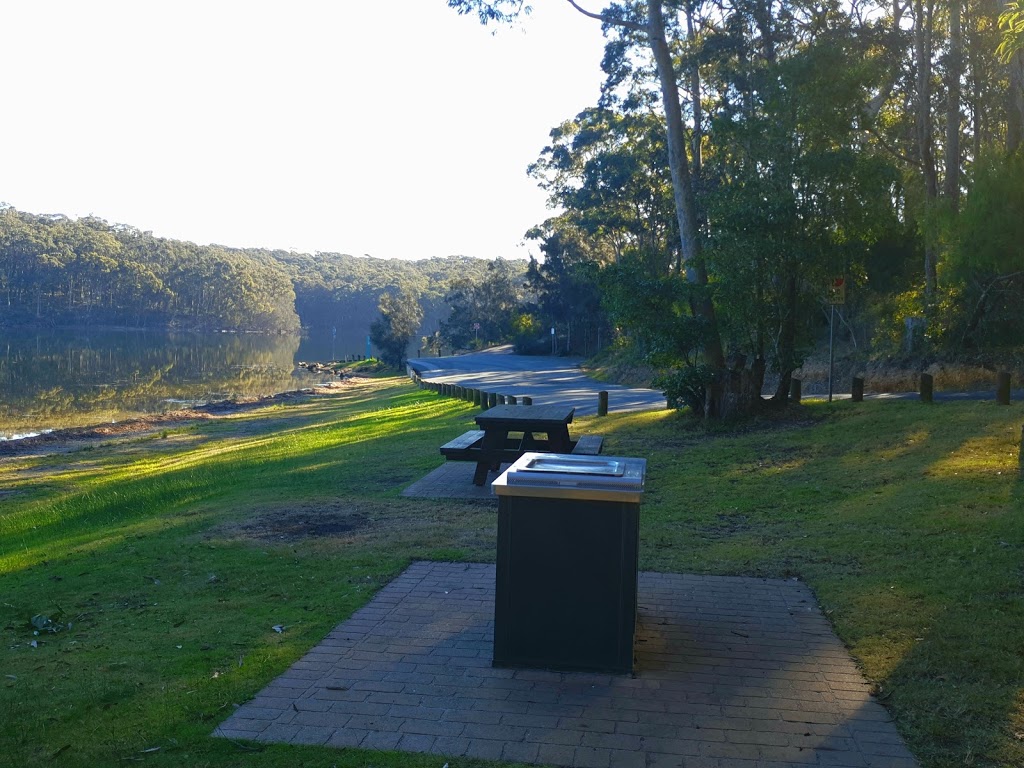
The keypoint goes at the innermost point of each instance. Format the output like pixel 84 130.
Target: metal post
pixel 831 351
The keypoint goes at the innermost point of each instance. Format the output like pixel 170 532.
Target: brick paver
pixel 729 672
pixel 453 480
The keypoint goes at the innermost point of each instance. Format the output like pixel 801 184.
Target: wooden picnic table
pixel 500 422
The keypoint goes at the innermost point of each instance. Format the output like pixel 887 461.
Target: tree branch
pixel 892 150
pixel 608 19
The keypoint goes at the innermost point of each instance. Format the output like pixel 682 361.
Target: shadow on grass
pixel 906 520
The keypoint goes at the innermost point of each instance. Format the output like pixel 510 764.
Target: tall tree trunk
pixel 954 75
pixel 682 184
pixel 787 338
pixel 697 140
pixel 923 18
pixel 1015 108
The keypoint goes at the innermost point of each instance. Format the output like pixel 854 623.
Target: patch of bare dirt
pixel 76 438
pixel 295 524
pixel 392 523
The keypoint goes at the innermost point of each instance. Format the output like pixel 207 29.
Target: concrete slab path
pixel 730 672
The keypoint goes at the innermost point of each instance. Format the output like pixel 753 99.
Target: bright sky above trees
pixel 397 129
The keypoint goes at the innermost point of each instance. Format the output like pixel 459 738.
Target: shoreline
pixel 69 439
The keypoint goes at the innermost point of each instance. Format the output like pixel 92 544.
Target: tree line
pixel 745 157
pixel 60 271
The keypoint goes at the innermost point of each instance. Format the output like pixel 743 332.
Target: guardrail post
pixel 602 403
pixel 1003 388
pixel 492 399
pixel 927 387
pixel 501 399
pixel 527 400
pixel 794 390
pixel 857 390
pixel 511 399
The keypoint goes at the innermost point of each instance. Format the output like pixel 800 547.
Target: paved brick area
pixel 453 480
pixel 731 672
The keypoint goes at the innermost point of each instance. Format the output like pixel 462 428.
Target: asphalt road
pixel 558 381
pixel 548 380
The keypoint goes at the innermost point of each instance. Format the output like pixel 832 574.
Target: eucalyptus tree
pixel 400 317
pixel 608 169
pixel 1011 53
pixel 646 22
pixel 482 309
pixel 793 199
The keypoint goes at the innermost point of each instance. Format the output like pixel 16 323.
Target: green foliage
pixel 566 287
pixel 528 335
pixel 982 276
pixel 334 289
pixel 482 310
pixel 609 170
pixel 400 318
pixel 899 316
pixel 56 270
pixel 686 387
pixel 989 234
pixel 794 203
pixel 1011 24
pixel 655 308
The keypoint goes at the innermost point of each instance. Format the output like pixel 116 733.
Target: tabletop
pixel 528 414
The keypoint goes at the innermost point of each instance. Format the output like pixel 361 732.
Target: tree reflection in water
pixel 75 377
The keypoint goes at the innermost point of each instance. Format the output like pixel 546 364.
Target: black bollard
pixel 857 390
pixel 1003 388
pixel 927 387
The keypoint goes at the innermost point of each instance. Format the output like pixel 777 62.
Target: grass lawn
pixel 149 586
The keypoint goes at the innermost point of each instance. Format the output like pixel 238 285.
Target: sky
pixel 397 130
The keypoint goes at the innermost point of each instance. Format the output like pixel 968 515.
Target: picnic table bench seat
pixel 588 445
pixel 460 444
pixel 468 446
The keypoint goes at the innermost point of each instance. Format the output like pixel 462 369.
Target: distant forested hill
pixel 339 289
pixel 55 270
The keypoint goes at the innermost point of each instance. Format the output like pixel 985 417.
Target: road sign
pixel 837 291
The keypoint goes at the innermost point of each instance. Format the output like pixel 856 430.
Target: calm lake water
pixel 75 377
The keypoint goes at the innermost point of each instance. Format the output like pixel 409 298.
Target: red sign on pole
pixel 837 291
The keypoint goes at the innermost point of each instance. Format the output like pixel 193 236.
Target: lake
pixel 59 378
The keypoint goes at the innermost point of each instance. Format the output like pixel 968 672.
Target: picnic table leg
pixel 494 440
pixel 560 442
pixel 480 476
